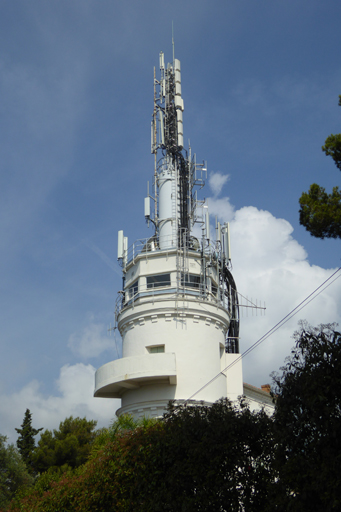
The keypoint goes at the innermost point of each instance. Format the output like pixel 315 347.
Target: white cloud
pixel 264 241
pixel 222 208
pixel 91 341
pixel 75 387
pixel 270 266
pixel 216 182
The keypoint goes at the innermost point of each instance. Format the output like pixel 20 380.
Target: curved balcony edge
pixel 116 377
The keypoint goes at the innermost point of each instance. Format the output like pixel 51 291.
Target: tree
pixel 25 441
pixel 332 146
pixel 198 458
pixel 13 473
pixel 308 421
pixel 68 447
pixel 215 457
pixel 320 213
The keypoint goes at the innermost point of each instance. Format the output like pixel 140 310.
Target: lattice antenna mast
pixel 175 174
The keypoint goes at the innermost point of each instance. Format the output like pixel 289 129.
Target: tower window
pixel 158 281
pixel 133 289
pixel 158 349
pixel 190 280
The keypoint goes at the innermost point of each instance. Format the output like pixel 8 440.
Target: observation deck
pixel 116 377
pixel 154 274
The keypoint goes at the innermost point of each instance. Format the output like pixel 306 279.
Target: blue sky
pixel 260 82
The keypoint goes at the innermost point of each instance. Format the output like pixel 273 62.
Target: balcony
pixel 116 377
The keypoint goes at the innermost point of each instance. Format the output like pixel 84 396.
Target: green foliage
pixel 124 424
pixel 332 147
pixel 25 441
pixel 214 458
pixel 198 459
pixel 68 447
pixel 320 213
pixel 223 457
pixel 308 421
pixel 13 473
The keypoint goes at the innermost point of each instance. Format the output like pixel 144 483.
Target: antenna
pixel 173 40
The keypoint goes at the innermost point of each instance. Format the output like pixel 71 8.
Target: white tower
pixel 178 312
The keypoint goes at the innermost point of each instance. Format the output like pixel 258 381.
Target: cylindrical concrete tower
pixel 178 312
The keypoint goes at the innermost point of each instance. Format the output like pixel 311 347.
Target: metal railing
pixel 146 246
pixel 156 291
pixel 152 245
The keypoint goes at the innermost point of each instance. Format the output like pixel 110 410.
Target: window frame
pixel 133 289
pixel 157 283
pixel 191 280
pixel 156 349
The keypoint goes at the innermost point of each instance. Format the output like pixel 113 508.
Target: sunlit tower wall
pixel 178 312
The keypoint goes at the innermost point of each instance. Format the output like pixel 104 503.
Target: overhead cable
pixel 285 319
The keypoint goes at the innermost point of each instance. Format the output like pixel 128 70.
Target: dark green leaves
pixel 25 441
pixel 308 421
pixel 320 213
pixel 198 459
pixel 13 473
pixel 332 147
pixel 69 446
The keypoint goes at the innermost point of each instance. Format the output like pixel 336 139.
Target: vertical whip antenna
pixel 173 42
pixel 155 155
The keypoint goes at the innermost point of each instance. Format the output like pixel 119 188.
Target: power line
pixel 285 319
